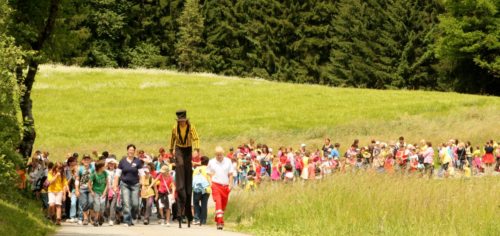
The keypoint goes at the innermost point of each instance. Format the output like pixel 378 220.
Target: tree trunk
pixel 29 134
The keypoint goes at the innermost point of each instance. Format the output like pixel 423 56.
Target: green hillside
pixel 79 109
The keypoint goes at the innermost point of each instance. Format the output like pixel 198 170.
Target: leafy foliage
pixel 469 47
pixel 10 125
pixel 408 44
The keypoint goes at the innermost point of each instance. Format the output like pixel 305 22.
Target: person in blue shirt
pixel 128 174
pixel 335 151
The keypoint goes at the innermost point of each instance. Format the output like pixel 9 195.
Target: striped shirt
pixel 179 137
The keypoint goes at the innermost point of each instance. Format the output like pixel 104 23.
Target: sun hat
pixel 164 169
pixel 303 145
pixel 111 160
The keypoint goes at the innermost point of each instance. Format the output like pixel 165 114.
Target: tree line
pixel 446 45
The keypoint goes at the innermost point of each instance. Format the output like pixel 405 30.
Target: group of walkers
pixel 97 189
pixel 255 163
pixel 176 185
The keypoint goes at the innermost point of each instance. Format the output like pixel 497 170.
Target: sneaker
pixel 71 220
pixel 162 223
pixel 168 224
pixel 80 222
pixel 110 223
pixel 146 222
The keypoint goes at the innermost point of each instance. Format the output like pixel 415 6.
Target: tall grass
pixel 79 109
pixel 370 204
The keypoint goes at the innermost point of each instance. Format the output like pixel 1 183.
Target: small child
pixel 112 196
pixel 56 188
pixel 305 170
pixel 289 176
pixel 467 171
pixel 165 188
pixel 275 173
pixel 477 163
pixel 389 164
pixel 98 185
pixel 251 177
pixel 147 193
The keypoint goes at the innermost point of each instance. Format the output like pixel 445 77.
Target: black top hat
pixel 181 115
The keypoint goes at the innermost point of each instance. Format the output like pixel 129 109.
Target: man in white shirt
pixel 221 172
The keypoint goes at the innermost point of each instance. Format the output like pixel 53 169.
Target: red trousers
pixel 220 194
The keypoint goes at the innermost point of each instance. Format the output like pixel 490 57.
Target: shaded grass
pixel 364 204
pixel 78 109
pixel 27 220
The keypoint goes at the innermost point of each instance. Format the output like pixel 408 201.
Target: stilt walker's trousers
pixel 184 181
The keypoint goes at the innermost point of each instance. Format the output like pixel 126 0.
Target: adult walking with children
pixel 127 180
pixel 221 171
pixel 184 139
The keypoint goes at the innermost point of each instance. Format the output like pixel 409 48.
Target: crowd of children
pixel 80 191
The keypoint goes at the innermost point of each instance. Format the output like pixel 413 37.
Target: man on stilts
pixel 221 171
pixel 184 139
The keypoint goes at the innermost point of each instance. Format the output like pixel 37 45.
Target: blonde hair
pixel 219 149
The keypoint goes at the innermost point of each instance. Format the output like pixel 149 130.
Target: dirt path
pixel 153 229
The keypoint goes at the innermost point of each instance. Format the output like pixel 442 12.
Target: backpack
pixel 200 183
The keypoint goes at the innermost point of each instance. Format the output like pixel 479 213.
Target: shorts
pixel 99 202
pixel 55 198
pixel 163 201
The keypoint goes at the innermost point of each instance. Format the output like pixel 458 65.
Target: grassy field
pixel 26 221
pixel 370 205
pixel 80 110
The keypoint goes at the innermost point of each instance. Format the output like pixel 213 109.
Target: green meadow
pixel 370 204
pixel 78 109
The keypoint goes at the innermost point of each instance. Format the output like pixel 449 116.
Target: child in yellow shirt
pixel 57 185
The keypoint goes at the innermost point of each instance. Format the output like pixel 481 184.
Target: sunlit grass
pixel 81 109
pixel 370 204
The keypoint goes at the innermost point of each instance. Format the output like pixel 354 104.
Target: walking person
pixel 85 171
pixel 164 187
pixel 127 174
pixel 98 186
pixel 147 193
pixel 112 197
pixel 57 187
pixel 73 200
pixel 221 170
pixel 201 191
pixel 488 157
pixel 429 159
pixel 184 139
